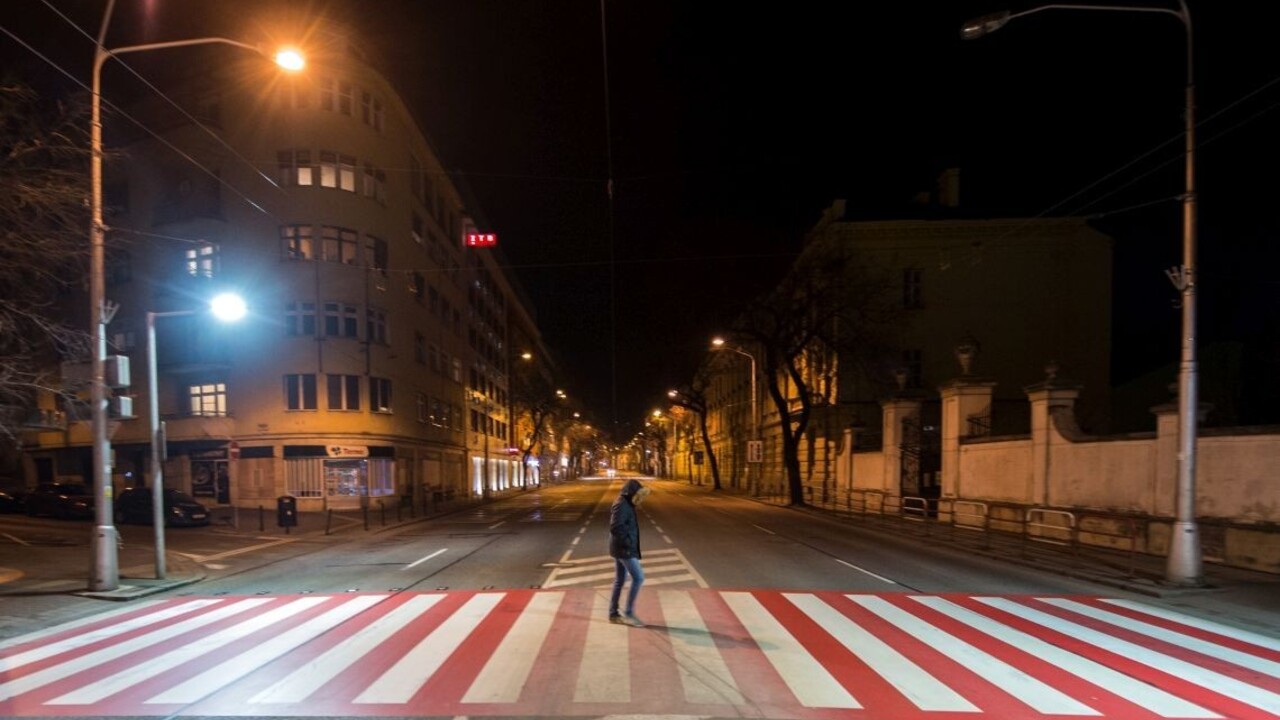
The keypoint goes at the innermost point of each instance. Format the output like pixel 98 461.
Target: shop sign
pixel 347 451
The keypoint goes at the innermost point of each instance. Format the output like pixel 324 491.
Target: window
pixel 456 413
pixel 345 99
pixel 375 255
pixel 456 375
pixel 433 353
pixel 119 267
pixel 300 318
pixel 419 348
pixel 202 261
pixel 371 111
pixel 380 395
pixel 434 304
pixel 423 409
pixel 347 173
pixel 340 320
pixel 344 392
pixel 912 288
pixel 340 245
pixel 415 179
pixel 438 416
pixel 913 363
pixel 376 326
pixel 326 93
pixel 370 185
pixel 297 242
pixel 328 169
pixel 417 285
pixel 208 399
pixel 418 230
pixel 300 392
pixel 296 167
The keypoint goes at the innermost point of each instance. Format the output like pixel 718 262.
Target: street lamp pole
pixel 719 344
pixel 1184 563
pixel 105 573
pixel 226 307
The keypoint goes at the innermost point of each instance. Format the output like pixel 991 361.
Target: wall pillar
pixel 1046 398
pixel 962 399
pixel 894 411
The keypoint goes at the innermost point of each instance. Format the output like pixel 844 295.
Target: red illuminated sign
pixel 481 239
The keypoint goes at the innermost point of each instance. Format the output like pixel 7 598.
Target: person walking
pixel 624 546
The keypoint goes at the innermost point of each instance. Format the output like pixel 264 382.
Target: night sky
pixel 732 125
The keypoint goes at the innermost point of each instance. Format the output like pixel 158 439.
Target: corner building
pixel 373 365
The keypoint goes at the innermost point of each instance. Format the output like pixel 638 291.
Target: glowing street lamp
pixel 105 571
pixel 227 307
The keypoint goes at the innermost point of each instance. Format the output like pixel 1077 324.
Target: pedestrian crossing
pixel 661 567
pixel 759 653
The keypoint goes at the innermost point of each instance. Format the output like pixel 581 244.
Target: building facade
pixel 374 362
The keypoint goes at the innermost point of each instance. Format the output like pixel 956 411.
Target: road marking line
pixel 766 530
pixel 703 672
pixel 238 551
pixel 18 540
pixel 864 570
pixel 496 524
pixel 605 673
pixel 426 558
pixel 503 677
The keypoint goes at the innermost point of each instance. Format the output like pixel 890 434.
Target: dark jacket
pixel 624 528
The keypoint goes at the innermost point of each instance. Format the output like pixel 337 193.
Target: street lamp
pixel 226 307
pixel 719 344
pixel 1184 563
pixel 105 574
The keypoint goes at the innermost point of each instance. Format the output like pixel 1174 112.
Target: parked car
pixel 60 500
pixel 11 502
pixel 134 506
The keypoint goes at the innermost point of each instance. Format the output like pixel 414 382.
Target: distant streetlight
pixel 719 344
pixel 226 307
pixel 105 572
pixel 526 356
pixel 1184 564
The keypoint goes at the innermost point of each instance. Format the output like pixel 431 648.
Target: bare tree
pixel 535 401
pixel 44 251
pixel 693 398
pixel 827 306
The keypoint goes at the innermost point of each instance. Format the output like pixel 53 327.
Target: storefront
pixel 341 477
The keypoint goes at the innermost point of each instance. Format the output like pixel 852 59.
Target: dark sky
pixel 732 125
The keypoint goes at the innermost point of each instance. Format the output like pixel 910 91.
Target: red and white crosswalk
pixel 705 653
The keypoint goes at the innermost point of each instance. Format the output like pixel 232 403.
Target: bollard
pixel 364 510
pixel 262 526
pixel 382 512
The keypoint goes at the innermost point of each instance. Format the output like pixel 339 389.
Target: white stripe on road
pixel 1135 691
pixel 84 662
pixel 503 677
pixel 237 667
pixel 865 571
pixel 399 683
pixel 1253 662
pixel 1215 682
pixel 101 617
pixel 605 672
pixel 103 633
pixel 141 672
pixel 299 685
pixel 1033 692
pixel 1234 633
pixel 703 672
pixel 809 681
pixel 423 559
pixel 917 685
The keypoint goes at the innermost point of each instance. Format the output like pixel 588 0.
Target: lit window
pixel 300 392
pixel 296 167
pixel 328 169
pixel 208 399
pixel 347 173
pixel 202 261
pixel 380 395
pixel 344 392
pixel 297 242
pixel 300 318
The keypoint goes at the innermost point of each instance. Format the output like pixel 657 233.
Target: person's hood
pixel 631 488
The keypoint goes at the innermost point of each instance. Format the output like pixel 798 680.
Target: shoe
pixel 616 619
pixel 632 620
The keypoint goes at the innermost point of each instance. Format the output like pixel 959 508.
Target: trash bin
pixel 287 511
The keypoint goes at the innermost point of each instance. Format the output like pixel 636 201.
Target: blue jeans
pixel 626 566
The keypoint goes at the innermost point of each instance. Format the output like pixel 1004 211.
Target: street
pixel 499 610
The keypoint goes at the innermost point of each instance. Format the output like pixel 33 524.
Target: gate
pixel 921 466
